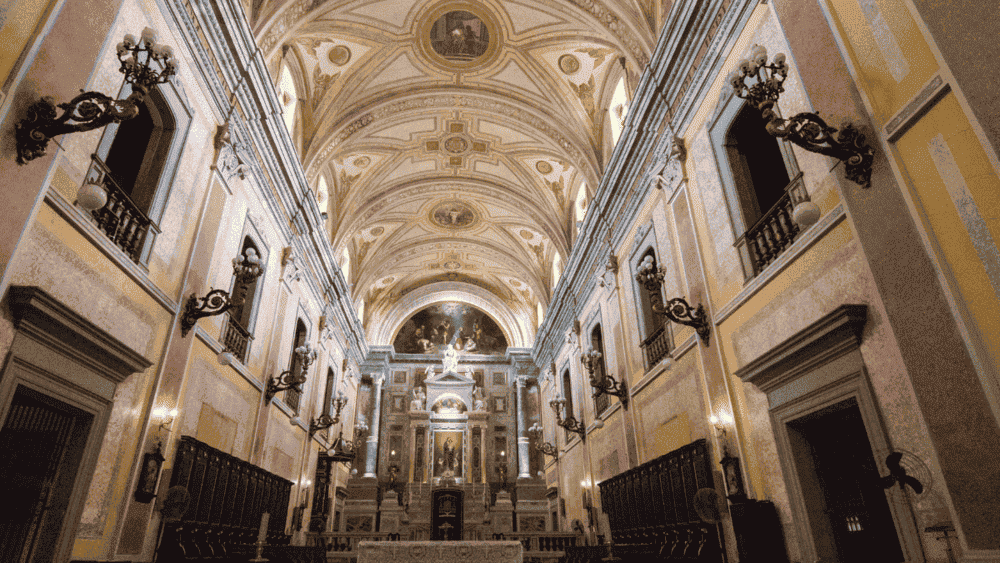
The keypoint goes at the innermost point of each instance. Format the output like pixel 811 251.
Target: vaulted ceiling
pixel 452 138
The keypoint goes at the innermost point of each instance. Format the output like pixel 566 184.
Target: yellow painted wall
pixel 951 177
pixel 888 50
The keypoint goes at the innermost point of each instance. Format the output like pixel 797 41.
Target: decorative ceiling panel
pixel 453 135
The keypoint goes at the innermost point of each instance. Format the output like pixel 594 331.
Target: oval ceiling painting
pixel 433 329
pixel 460 36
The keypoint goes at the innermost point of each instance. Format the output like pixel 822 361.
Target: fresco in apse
pixel 433 329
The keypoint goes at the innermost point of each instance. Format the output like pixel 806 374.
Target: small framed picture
pixel 733 476
pixel 149 476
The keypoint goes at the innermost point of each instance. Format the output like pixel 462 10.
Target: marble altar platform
pixel 440 552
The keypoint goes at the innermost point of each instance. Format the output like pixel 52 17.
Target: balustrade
pixel 775 231
pixel 120 219
pixel 656 346
pixel 236 339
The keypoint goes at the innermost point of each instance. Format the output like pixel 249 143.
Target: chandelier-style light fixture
pixel 570 423
pixel 246 268
pixel 145 63
pixel 677 309
pixel 288 379
pixel 324 421
pixel 806 129
pixel 607 385
pixel 344 451
pixel 546 448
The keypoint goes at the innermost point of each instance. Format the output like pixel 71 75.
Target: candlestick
pixel 262 539
pixel 262 534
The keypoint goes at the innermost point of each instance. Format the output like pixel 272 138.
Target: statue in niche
pixel 478 399
pixel 451 360
pixel 419 399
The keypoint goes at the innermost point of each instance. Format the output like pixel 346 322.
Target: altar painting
pixel 458 326
pixel 448 454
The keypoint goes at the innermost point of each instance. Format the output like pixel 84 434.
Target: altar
pixel 440 552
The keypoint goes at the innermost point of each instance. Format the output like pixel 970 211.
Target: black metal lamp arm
pixel 677 309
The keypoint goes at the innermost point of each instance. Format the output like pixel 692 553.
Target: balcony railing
pixel 657 346
pixel 120 219
pixel 775 231
pixel 236 339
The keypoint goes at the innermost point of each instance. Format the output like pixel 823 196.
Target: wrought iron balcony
pixel 236 339
pixel 657 346
pixel 773 233
pixel 120 219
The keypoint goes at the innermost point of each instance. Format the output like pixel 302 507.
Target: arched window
pixel 618 110
pixel 293 396
pixel 757 164
pixel 289 98
pixel 556 268
pixel 580 207
pixel 134 162
pixel 238 331
pixel 602 401
pixel 323 197
pixel 567 390
pixel 656 339
pixel 345 266
pixel 757 172
pixel 539 313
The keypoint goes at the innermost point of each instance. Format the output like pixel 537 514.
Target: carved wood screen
pixel 652 507
pixel 228 496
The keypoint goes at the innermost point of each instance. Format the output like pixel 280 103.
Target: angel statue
pixel 419 399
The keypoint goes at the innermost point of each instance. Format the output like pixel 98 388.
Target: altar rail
pixel 539 547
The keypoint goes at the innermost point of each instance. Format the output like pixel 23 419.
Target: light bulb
pixel 91 196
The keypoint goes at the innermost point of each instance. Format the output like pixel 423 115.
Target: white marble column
pixel 523 465
pixel 371 460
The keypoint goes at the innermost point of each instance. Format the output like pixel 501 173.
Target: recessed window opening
pixel 757 164
pixel 602 401
pixel 292 396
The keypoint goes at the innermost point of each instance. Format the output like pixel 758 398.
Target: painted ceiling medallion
pixel 543 167
pixel 460 36
pixel 340 55
pixel 569 64
pixel 453 215
pixel 456 145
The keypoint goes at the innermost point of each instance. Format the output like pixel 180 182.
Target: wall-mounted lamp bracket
pixel 246 269
pixel 607 385
pixel 677 309
pixel 546 448
pixel 287 380
pixel 570 423
pixel 91 110
pixel 324 421
pixel 806 129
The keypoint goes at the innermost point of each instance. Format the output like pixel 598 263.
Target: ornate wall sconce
pixel 91 110
pixel 607 385
pixel 165 415
pixel 570 423
pixel 546 448
pixel 805 129
pixel 344 451
pixel 288 380
pixel 324 420
pixel 246 269
pixel 677 309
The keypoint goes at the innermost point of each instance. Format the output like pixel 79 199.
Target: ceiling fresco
pixel 453 138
